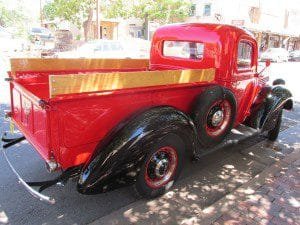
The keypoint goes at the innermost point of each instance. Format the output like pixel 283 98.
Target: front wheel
pixel 161 167
pixel 273 134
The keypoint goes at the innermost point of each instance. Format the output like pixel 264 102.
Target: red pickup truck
pixel 96 119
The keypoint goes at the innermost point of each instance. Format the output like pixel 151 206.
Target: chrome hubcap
pixel 161 167
pixel 217 118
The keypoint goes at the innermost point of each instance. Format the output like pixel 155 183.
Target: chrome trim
pixel 31 190
pixel 52 165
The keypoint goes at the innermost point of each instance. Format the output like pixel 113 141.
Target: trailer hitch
pixel 42 185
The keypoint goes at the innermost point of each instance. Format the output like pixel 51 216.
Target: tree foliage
pixel 9 17
pixel 13 18
pixel 80 12
pixel 74 11
pixel 162 11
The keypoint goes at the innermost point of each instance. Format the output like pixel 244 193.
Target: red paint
pixel 72 125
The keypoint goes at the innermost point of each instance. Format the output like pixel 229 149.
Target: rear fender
pixel 279 98
pixel 127 148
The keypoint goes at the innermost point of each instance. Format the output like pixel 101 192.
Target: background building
pixel 275 23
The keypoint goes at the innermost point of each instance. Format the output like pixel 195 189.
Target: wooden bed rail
pixel 91 82
pixel 36 64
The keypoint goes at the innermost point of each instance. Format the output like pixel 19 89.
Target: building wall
pixel 275 23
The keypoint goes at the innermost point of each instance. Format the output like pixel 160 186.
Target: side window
pixel 244 57
pixel 183 49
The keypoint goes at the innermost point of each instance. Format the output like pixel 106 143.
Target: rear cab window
pixel 183 49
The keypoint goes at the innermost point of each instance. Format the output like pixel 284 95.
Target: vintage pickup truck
pixel 98 119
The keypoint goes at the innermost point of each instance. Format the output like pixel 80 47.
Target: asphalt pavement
pixel 19 207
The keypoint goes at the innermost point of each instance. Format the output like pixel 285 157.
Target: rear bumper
pixel 31 190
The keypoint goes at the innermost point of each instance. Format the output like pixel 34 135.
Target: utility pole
pixel 41 13
pixel 98 19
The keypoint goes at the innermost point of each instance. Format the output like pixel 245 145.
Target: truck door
pixel 244 80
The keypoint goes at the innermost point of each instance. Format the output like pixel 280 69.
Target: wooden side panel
pixel 79 83
pixel 18 65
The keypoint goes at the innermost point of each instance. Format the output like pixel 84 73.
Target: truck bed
pixel 65 108
pixel 30 85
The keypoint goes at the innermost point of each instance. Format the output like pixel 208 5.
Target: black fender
pixel 279 98
pixel 126 148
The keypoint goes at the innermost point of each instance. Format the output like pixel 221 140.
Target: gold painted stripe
pixel 79 83
pixel 18 65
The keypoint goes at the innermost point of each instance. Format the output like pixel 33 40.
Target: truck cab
pixel 232 51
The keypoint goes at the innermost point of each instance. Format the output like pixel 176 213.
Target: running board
pixel 236 135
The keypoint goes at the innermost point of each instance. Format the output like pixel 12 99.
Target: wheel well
pixel 288 104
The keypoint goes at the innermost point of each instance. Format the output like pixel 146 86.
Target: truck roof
pixel 219 28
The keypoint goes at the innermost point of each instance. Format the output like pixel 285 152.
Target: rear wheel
pixel 161 167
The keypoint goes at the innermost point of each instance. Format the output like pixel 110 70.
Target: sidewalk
pixel 272 196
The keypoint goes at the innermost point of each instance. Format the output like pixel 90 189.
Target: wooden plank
pixel 27 64
pixel 79 83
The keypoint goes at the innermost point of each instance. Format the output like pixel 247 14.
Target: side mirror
pixel 267 64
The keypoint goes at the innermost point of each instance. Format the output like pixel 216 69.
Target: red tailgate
pixel 30 118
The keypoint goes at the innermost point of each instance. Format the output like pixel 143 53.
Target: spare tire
pixel 214 113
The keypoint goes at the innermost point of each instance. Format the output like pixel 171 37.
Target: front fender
pixel 279 98
pixel 127 148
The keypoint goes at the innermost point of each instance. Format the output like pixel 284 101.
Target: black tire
pixel 255 119
pixel 146 187
pixel 273 134
pixel 279 82
pixel 202 115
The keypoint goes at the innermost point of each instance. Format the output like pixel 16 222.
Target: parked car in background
pixel 100 49
pixel 294 56
pixel 40 33
pixel 138 46
pixel 275 55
